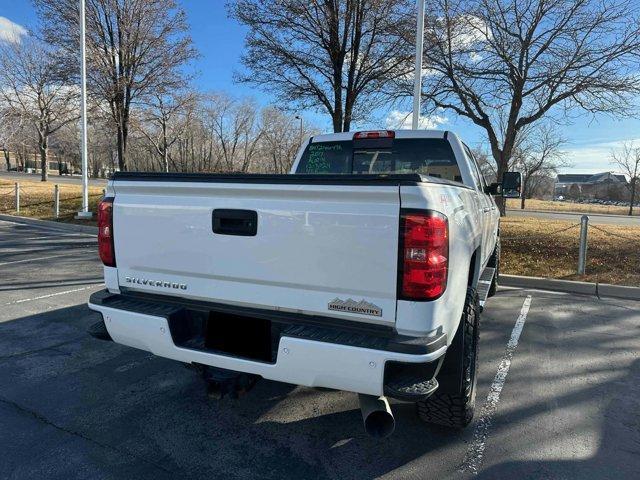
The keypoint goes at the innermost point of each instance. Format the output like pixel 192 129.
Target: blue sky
pixel 220 42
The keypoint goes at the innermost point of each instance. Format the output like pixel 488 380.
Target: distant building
pixel 605 186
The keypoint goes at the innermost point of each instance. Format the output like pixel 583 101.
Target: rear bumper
pixel 306 355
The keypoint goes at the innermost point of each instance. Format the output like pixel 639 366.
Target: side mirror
pixel 493 189
pixel 511 185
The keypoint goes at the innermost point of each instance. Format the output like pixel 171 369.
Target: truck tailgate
pixel 319 249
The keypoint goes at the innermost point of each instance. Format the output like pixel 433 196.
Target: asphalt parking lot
pixel 558 395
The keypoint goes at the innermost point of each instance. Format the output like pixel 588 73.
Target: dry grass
pixel 36 200
pixel 531 247
pixel 533 204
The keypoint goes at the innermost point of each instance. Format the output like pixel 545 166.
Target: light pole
pixel 417 81
pixel 84 213
pixel 299 117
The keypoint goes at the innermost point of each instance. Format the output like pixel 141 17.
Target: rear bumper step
pixel 343 358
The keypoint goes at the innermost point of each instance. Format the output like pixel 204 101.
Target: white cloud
pixel 594 157
pixel 397 119
pixel 11 32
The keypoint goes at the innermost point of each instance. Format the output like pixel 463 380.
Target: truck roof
pixel 337 137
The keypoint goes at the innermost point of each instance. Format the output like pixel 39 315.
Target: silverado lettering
pixel 156 283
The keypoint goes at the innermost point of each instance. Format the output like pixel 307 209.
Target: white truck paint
pixel 316 242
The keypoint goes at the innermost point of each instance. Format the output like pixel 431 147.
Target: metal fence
pixel 17 198
pixel 564 248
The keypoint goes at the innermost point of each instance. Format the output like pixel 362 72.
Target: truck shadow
pixel 156 415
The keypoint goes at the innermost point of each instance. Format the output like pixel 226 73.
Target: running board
pixel 484 283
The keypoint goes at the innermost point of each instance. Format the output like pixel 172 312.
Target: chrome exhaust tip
pixel 377 416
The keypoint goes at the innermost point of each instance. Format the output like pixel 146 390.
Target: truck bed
pixel 285 179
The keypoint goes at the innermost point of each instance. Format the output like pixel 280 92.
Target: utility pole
pixel 84 213
pixel 417 82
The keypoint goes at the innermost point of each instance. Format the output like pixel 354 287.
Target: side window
pixel 475 171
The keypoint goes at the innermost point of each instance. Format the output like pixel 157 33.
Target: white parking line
pixel 475 453
pixel 44 238
pixel 50 256
pixel 15 302
pixel 45 228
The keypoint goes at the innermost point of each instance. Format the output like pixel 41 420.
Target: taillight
pixel 374 134
pixel 424 253
pixel 105 232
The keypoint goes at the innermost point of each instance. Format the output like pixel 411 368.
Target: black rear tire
pixel 455 410
pixel 494 262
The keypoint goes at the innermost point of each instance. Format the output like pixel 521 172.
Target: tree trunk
pixel 338 112
pixel 165 155
pixel 43 147
pixel 337 120
pixel 633 195
pixel 502 168
pixel 165 161
pixel 348 112
pixel 523 193
pixel 7 158
pixel 122 165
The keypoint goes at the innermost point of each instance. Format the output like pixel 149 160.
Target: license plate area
pixel 225 333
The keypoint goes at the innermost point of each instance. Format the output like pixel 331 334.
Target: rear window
pixel 427 156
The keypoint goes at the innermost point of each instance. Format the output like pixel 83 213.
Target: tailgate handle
pixel 235 222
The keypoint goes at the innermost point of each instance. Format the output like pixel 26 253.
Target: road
pixel 565 401
pixel 35 177
pixel 597 219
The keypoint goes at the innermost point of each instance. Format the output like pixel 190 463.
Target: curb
pixel 67 227
pixel 568 286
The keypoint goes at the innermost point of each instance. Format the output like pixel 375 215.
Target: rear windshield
pixel 427 156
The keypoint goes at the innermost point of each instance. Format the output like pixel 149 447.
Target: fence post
pixel 56 201
pixel 582 254
pixel 17 197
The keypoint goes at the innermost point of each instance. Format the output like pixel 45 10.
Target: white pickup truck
pixel 363 270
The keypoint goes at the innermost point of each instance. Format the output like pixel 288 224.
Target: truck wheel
pixel 455 410
pixel 494 262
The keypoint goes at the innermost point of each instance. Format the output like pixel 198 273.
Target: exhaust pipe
pixel 376 415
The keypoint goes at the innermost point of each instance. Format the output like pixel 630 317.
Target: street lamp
pixel 417 81
pixel 299 117
pixel 84 213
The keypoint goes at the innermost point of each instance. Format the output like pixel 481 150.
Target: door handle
pixel 235 222
pixel 488 209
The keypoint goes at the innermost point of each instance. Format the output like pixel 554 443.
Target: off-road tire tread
pixel 456 410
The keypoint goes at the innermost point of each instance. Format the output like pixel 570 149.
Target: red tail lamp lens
pixel 105 232
pixel 425 250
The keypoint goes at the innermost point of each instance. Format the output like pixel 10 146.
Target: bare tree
pixel 335 55
pixel 134 48
pixel 235 132
pixel 10 125
pixel 486 163
pixel 506 64
pixel 537 155
pixel 164 121
pixel 627 158
pixel 38 90
pixel 280 140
